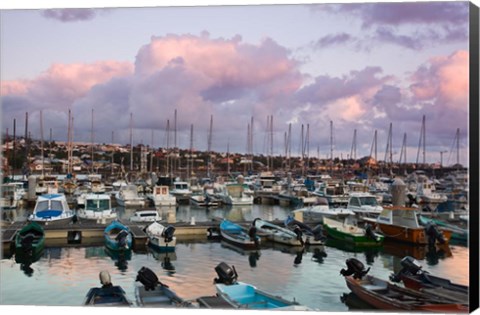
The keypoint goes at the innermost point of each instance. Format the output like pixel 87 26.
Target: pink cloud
pixel 443 80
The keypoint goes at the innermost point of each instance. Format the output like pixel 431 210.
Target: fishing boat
pixel 415 278
pixel 247 296
pixel 278 234
pixel 128 196
pixel 386 296
pixel 181 191
pixel 51 209
pixel 117 237
pixel 160 237
pixel 322 210
pixel 351 233
pixel 145 216
pixel 401 224
pixel 203 200
pixel 459 234
pixel 239 235
pixel 336 192
pixel 12 194
pixel 107 295
pixel 364 204
pixel 98 207
pixel 161 196
pixel 235 195
pixel 153 293
pixel 296 195
pixel 30 239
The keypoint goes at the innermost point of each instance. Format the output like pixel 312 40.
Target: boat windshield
pixel 369 201
pixel 99 205
pixel 56 204
pixel 42 205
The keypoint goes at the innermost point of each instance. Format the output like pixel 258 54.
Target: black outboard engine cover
pixel 369 232
pixel 355 268
pixel 298 231
pixel 27 242
pixel 252 232
pixel 148 278
pixel 318 232
pixel 410 267
pixel 226 274
pixel 168 233
pixel 434 234
pixel 122 239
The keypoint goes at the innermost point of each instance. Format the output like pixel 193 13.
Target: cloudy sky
pixel 361 66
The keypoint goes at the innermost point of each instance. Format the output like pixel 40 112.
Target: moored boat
pixel 320 210
pixel 145 216
pixel 30 239
pixel 459 234
pixel 128 196
pixel 238 235
pixel 386 296
pixel 415 278
pixel 107 295
pixel 160 237
pixel 313 236
pixel 153 293
pixel 51 209
pixel 401 223
pixel 161 196
pixel 351 233
pixel 247 296
pixel 98 207
pixel 278 234
pixel 117 237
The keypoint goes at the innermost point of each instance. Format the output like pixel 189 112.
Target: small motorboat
pixel 278 234
pixel 312 236
pixel 458 233
pixel 51 209
pixel 160 237
pixel 153 293
pixel 107 295
pixel 247 296
pixel 386 296
pixel 145 216
pixel 117 237
pixel 415 278
pixel 352 233
pixel 30 240
pixel 238 235
pixel 97 207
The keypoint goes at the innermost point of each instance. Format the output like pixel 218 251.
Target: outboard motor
pixel 369 232
pixel 355 268
pixel 167 233
pixel 434 234
pixel 410 266
pixel 318 232
pixel 122 239
pixel 298 231
pixel 27 242
pixel 252 232
pixel 411 200
pixel 148 278
pixel 226 274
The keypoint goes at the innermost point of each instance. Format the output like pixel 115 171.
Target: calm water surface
pixel 63 275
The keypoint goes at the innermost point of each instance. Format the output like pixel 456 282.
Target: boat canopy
pixel 399 216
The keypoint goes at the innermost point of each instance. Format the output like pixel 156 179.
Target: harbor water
pixel 63 275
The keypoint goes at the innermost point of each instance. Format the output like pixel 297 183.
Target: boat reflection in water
pixel 431 253
pixel 318 253
pixel 370 252
pixel 120 258
pixel 25 260
pixel 166 259
pixel 253 254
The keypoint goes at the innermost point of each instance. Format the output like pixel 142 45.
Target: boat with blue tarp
pixel 117 237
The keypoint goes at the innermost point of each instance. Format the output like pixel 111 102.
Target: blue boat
pixel 238 235
pixel 246 296
pixel 117 237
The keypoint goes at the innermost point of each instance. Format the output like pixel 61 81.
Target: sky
pixel 357 66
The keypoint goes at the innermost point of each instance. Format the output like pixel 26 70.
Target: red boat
pixel 386 296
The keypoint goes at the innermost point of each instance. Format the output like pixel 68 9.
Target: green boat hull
pixel 352 239
pixel 30 239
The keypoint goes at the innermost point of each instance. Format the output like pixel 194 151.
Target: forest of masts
pixel 173 161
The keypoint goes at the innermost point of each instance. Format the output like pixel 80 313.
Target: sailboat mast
pixel 91 135
pixel 131 142
pixel 41 137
